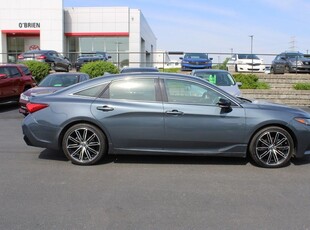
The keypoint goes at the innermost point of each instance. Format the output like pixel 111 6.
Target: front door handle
pixel 105 108
pixel 174 112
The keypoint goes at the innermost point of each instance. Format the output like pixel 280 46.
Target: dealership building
pixel 44 24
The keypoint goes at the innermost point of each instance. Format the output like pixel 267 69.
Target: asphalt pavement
pixel 40 189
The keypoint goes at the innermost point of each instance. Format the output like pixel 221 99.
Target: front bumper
pixel 250 68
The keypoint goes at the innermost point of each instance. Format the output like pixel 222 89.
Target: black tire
pixel 272 147
pixel 68 68
pixel 53 67
pixel 236 68
pixel 287 69
pixel 84 144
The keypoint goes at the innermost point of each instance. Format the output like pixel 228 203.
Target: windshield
pixel 58 80
pixel 217 78
pixel 196 55
pixel 295 55
pixel 247 56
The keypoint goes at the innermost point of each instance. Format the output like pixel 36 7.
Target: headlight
pixel 24 97
pixel 302 120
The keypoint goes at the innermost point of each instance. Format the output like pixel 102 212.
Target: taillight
pixel 20 57
pixel 41 57
pixel 33 107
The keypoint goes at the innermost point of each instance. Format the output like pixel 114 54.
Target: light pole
pixel 251 36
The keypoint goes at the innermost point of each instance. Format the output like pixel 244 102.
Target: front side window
pixel 133 89
pixel 179 91
pixel 14 72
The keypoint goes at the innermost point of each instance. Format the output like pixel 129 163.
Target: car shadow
pixel 301 161
pixel 8 107
pixel 190 160
pixel 48 154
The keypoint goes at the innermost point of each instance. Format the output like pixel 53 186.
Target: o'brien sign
pixel 29 25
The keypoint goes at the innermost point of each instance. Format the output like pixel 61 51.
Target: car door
pixel 131 113
pixel 195 124
pixel 11 84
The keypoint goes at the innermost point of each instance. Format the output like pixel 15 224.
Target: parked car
pixel 14 79
pixel 163 114
pixel 90 57
pixel 50 84
pixel 222 78
pixel 138 69
pixel 195 61
pixel 56 61
pixel 245 63
pixel 290 62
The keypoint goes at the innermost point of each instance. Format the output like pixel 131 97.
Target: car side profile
pixel 245 63
pixel 163 114
pixel 14 80
pixel 290 62
pixel 56 61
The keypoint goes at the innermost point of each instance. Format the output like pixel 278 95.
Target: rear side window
pixel 25 70
pixel 93 91
pixel 132 89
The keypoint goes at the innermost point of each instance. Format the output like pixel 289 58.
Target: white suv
pixel 245 63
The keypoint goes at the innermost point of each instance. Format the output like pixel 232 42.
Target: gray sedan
pixel 163 114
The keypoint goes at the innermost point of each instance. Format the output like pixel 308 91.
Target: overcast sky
pixel 220 26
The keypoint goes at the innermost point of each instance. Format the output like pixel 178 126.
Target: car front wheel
pixel 272 147
pixel 84 144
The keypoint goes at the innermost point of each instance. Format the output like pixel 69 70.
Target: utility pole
pixel 251 36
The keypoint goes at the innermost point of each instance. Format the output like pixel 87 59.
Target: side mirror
pixel 181 58
pixel 3 76
pixel 239 84
pixel 224 103
pixel 109 57
pixel 211 59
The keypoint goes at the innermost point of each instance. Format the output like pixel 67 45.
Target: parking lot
pixel 40 189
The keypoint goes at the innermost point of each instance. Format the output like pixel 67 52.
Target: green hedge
pixel 302 86
pixel 250 81
pixel 38 69
pixel 98 68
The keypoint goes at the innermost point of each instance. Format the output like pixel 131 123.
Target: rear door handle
pixel 105 108
pixel 174 112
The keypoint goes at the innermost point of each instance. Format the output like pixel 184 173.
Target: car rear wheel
pixel 236 68
pixel 272 147
pixel 84 144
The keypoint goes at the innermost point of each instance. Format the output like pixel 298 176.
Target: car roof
pixel 139 69
pixel 68 73
pixel 11 64
pixel 39 51
pixel 210 70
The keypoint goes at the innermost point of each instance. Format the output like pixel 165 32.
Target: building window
pixel 116 47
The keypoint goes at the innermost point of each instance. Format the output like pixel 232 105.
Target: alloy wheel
pixel 273 147
pixel 84 144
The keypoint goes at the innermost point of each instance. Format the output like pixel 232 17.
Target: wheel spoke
pixel 76 152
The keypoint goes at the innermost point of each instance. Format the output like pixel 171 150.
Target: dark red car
pixel 14 79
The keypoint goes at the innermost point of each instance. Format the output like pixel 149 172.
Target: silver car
pixel 163 114
pixel 222 78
